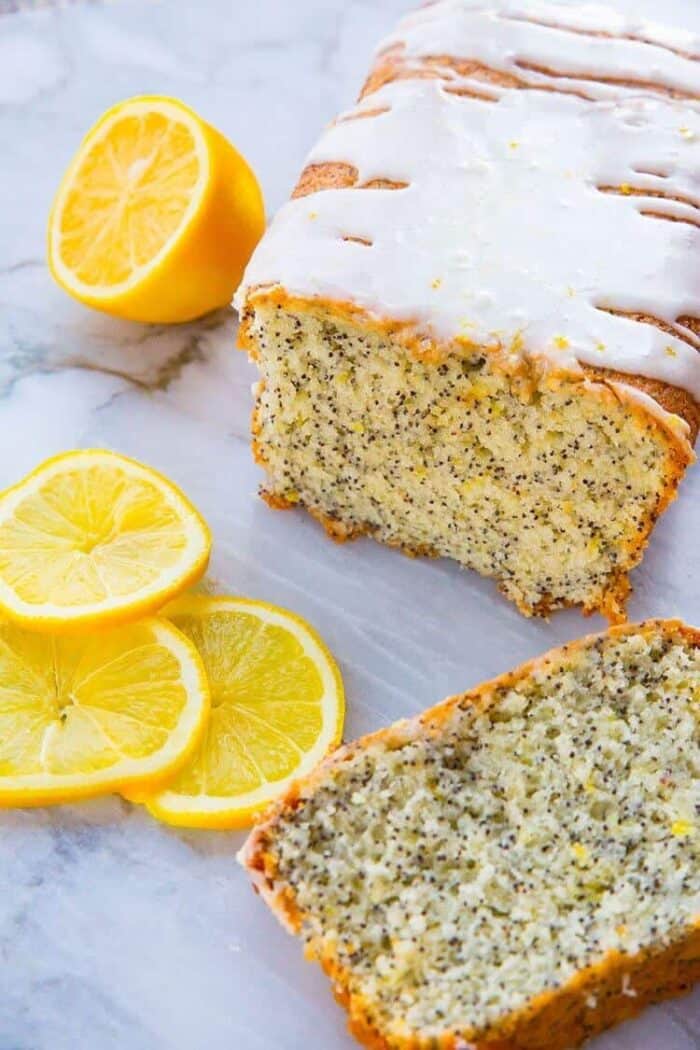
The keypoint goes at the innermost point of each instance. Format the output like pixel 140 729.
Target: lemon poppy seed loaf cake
pixel 516 869
pixel 476 323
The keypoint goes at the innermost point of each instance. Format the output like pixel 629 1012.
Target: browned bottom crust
pixel 615 990
pixel 612 605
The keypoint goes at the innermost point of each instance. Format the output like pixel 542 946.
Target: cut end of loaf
pixel 521 864
pixel 548 484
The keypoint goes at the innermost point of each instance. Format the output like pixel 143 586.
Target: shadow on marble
pixel 75 824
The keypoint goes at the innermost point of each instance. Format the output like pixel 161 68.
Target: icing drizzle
pixel 589 48
pixel 541 221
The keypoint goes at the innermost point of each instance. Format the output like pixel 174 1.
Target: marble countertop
pixel 116 932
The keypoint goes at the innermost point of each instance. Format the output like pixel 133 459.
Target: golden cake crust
pixel 614 989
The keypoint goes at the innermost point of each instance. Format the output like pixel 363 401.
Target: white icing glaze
pixel 514 35
pixel 503 235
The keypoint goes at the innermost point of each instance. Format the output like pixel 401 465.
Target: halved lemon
pixel 156 216
pixel 92 537
pixel 277 709
pixel 84 715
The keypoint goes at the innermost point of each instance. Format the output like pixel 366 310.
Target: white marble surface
pixel 116 932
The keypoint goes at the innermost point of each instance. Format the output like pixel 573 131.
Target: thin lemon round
pixel 91 538
pixel 156 216
pixel 277 709
pixel 83 715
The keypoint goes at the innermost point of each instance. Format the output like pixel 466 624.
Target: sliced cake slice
pixel 477 323
pixel 516 869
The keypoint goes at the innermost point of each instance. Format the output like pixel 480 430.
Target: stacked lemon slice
pixel 204 712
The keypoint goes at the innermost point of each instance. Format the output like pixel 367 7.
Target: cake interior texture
pixel 548 486
pixel 457 873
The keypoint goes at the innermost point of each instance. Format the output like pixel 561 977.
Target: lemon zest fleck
pixel 517 343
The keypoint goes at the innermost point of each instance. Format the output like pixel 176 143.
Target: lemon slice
pixel 156 216
pixel 277 709
pixel 91 537
pixel 84 715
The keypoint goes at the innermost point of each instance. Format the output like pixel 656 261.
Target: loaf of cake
pixel 476 323
pixel 516 869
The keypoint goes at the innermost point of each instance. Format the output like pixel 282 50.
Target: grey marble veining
pixel 117 933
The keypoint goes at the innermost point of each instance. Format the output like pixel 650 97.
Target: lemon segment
pixel 156 216
pixel 91 537
pixel 277 710
pixel 83 715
